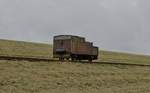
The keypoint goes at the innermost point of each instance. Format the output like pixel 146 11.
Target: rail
pixel 54 60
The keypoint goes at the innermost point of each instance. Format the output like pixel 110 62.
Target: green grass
pixel 19 48
pixel 55 77
pixel 108 56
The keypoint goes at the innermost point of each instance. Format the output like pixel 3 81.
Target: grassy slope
pixel 44 77
pixel 124 57
pixel 53 77
pixel 13 48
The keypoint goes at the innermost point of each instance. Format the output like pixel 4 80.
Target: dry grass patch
pixel 53 77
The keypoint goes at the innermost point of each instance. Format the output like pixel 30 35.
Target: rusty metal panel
pixel 74 45
pixel 84 49
pixel 89 44
pixel 61 43
pixel 95 51
pixel 79 46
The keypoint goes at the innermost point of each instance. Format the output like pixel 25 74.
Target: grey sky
pixel 122 25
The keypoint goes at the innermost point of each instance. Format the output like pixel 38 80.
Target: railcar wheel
pixel 72 59
pixel 90 60
pixel 67 59
pixel 61 59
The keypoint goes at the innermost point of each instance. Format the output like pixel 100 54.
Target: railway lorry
pixel 74 48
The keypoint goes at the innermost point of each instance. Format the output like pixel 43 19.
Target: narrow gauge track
pixel 25 58
pixel 19 58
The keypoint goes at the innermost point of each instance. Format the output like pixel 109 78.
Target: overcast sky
pixel 122 25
